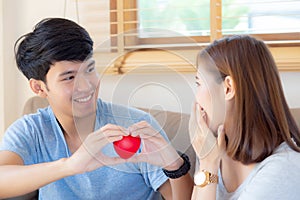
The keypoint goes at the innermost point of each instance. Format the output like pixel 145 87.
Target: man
pixel 66 150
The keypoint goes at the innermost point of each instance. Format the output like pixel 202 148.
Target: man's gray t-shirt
pixel 276 177
pixel 37 138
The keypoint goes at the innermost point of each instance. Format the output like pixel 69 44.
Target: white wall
pixel 164 91
pixel 291 87
pixel 19 17
pixel 172 91
pixel 1 72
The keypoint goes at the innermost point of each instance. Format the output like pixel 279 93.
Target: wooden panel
pixel 215 19
pixel 160 61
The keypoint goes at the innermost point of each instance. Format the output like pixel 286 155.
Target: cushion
pixel 296 114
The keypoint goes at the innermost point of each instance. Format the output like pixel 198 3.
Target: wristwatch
pixel 204 178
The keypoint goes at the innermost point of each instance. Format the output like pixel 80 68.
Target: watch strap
pixel 213 178
pixel 210 178
pixel 183 170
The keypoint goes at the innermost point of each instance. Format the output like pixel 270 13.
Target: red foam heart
pixel 127 146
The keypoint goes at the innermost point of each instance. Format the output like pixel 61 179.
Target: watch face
pixel 200 178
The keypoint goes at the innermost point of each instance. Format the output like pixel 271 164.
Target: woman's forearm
pixel 208 191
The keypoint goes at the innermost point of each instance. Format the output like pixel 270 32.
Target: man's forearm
pixel 17 180
pixel 182 187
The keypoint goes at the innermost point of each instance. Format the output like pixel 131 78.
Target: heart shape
pixel 127 146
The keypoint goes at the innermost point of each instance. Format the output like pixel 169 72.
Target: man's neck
pixel 76 130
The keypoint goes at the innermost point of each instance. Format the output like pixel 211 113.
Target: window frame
pixel 285 47
pixel 128 19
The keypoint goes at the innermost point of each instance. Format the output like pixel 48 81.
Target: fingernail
pixel 221 127
pixel 202 112
pixel 199 108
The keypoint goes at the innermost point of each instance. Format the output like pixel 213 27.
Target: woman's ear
pixel 229 88
pixel 37 87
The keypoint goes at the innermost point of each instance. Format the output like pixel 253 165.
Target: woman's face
pixel 210 96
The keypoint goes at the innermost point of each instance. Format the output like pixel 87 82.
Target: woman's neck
pixel 234 173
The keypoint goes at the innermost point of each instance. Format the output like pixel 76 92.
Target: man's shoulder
pixel 43 114
pixel 33 119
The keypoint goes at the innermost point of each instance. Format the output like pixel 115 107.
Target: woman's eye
pixel 197 83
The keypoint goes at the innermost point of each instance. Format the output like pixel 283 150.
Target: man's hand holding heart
pixel 155 149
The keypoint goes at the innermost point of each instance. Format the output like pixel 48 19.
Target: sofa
pixel 174 124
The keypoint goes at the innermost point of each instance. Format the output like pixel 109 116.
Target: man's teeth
pixel 84 99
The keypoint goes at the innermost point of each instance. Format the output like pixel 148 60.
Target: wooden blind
pixel 134 27
pixel 94 16
pixel 124 45
pixel 147 61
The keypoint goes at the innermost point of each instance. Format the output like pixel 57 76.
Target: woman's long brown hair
pixel 261 115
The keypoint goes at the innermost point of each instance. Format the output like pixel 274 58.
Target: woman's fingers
pixel 197 124
pixel 202 138
pixel 221 138
pixel 201 119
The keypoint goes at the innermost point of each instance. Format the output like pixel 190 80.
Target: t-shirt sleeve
pixel 19 139
pixel 278 180
pixel 154 176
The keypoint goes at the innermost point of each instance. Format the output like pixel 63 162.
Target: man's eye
pixel 91 69
pixel 69 78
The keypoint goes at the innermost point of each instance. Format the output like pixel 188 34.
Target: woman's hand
pixel 156 150
pixel 205 144
pixel 89 156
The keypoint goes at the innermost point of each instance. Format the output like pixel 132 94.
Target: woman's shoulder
pixel 283 163
pixel 284 153
pixel 275 177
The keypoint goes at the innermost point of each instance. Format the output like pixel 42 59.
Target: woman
pixel 241 128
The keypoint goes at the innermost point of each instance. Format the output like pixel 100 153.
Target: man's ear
pixel 229 88
pixel 37 86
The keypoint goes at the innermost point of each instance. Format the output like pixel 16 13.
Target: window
pixel 170 21
pixel 188 24
pixel 140 29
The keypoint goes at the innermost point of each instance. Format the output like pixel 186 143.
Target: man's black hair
pixel 52 40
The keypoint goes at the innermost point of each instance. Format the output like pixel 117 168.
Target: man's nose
pixel 83 83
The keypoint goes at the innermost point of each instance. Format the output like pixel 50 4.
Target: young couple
pixel 240 127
